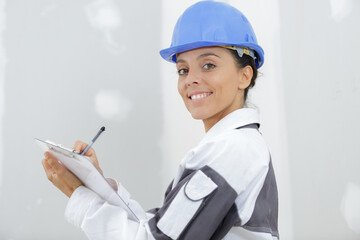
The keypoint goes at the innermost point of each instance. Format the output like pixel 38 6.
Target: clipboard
pixel 84 169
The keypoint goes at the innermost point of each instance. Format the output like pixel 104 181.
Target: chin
pixel 197 118
pixel 199 115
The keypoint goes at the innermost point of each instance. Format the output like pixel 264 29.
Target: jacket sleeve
pixel 102 221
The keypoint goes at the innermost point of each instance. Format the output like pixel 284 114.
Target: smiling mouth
pixel 200 96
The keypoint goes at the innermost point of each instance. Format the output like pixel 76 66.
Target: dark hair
pixel 242 62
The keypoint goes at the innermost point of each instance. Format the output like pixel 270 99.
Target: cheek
pixel 232 82
pixel 226 90
pixel 181 88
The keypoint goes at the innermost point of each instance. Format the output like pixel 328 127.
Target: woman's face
pixel 210 83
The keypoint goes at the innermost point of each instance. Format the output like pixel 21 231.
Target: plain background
pixel 69 67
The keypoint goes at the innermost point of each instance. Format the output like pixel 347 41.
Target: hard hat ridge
pixel 212 23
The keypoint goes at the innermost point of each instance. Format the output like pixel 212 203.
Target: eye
pixel 209 66
pixel 182 71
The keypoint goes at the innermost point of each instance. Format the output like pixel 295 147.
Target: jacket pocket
pixel 186 204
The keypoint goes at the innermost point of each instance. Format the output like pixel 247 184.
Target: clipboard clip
pixel 67 154
pixel 62 150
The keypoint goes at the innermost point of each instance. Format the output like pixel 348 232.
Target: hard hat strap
pixel 246 51
pixel 241 50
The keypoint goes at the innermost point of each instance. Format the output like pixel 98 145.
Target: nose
pixel 192 78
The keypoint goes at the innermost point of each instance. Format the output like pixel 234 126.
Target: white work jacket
pixel 225 188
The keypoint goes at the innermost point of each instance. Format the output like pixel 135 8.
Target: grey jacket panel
pixel 265 214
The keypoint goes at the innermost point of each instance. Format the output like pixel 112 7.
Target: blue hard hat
pixel 211 23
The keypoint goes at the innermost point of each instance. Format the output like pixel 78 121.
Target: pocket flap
pixel 199 186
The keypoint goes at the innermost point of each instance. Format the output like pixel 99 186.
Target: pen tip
pixel 102 129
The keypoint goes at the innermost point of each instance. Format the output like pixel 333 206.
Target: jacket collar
pixel 235 119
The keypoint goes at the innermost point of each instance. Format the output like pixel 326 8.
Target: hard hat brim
pixel 169 54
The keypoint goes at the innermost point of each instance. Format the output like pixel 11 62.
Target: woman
pixel 225 187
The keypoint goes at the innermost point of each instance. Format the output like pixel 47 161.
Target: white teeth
pixel 198 96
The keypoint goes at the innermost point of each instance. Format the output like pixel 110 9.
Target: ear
pixel 245 76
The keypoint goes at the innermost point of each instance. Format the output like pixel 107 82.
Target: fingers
pixel 48 169
pixel 59 175
pixel 53 162
pixel 52 166
pixel 79 147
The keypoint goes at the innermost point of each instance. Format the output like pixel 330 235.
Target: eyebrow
pixel 200 56
pixel 207 54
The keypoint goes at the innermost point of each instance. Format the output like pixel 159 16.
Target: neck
pixel 210 122
pixel 236 104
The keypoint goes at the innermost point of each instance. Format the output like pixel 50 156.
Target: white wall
pixel 72 67
pixel 322 100
pixel 2 80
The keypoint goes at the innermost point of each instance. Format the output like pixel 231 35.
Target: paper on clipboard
pixel 85 170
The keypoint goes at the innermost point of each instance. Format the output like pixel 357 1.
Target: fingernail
pixel 46 154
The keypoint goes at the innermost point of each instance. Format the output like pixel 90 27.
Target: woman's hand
pixel 80 146
pixel 59 175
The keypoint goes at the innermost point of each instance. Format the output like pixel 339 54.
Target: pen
pixel 92 141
